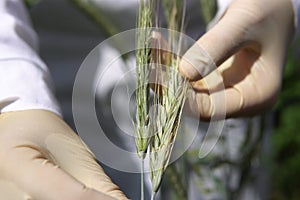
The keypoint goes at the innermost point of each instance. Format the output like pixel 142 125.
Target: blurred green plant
pixel 286 139
pixel 30 3
pixel 208 9
pixel 90 9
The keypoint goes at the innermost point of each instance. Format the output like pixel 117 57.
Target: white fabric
pixel 25 82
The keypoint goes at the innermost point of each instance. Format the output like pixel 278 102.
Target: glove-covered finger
pixel 51 167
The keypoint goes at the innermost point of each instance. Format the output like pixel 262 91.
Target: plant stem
pixel 142 178
pixel 152 195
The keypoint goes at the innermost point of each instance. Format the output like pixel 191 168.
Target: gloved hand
pixel 248 46
pixel 42 158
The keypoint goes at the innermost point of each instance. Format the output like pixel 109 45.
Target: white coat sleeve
pixel 25 81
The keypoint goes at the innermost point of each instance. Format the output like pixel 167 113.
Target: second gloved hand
pixel 42 158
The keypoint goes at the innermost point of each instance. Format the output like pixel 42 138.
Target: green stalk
pixel 152 195
pixel 168 100
pixel 143 59
pixel 170 97
pixel 142 179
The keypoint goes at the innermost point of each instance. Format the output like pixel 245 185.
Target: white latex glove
pixel 249 46
pixel 42 158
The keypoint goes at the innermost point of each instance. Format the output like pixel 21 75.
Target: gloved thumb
pixel 216 46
